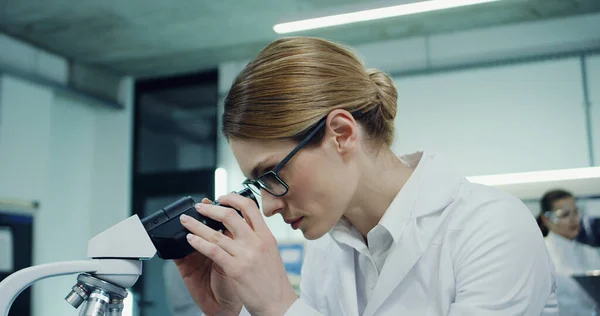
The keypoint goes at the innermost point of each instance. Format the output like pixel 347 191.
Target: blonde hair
pixel 294 82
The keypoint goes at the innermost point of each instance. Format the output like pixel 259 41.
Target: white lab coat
pixel 571 257
pixel 464 249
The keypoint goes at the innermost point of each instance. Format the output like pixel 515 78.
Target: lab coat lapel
pixel 437 187
pixel 398 263
pixel 347 285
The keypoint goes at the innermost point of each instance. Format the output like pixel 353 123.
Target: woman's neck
pixel 557 234
pixel 382 178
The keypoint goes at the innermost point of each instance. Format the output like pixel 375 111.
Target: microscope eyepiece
pixel 167 233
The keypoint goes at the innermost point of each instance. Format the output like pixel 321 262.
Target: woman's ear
pixel 545 220
pixel 342 129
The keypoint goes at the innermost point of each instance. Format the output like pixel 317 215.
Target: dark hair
pixel 546 205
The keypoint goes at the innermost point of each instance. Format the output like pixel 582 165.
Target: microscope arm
pixel 121 272
pixel 116 257
pixel 17 282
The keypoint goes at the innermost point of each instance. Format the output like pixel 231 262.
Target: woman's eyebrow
pixel 257 170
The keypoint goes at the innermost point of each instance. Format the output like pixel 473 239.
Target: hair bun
pixel 387 92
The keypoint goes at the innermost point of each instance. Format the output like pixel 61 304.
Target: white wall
pixel 487 120
pixel 62 224
pixel 71 156
pixel 24 129
pixel 517 118
pixel 484 44
pixel 593 64
pixel 113 151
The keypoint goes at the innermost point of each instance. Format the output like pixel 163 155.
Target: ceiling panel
pixel 156 37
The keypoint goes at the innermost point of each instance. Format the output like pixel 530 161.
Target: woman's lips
pixel 296 223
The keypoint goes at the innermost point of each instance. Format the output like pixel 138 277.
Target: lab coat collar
pixel 433 186
pixel 400 210
pixel 438 186
pixel 562 241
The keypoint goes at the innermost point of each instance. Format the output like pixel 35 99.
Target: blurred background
pixel 112 108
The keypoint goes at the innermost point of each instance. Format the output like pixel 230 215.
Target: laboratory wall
pixel 493 100
pixel 514 118
pixel 593 75
pixel 72 156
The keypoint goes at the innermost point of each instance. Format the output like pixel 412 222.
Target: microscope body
pixel 115 264
pixel 116 257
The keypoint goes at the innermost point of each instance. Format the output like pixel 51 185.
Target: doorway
pixel 175 155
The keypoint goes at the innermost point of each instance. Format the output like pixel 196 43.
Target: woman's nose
pixel 271 205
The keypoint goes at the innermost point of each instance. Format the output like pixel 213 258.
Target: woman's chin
pixel 573 233
pixel 312 234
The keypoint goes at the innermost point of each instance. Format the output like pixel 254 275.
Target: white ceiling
pixel 157 37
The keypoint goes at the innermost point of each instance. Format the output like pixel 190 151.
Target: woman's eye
pixel 268 169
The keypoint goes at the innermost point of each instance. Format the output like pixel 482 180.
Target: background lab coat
pixel 571 257
pixel 465 249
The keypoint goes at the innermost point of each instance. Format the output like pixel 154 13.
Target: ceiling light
pixel 373 14
pixel 538 176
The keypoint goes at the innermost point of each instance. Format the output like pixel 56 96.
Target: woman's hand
pixel 247 255
pixel 208 285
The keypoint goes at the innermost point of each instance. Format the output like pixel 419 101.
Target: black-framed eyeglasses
pixel 270 180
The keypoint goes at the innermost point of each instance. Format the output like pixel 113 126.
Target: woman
pixel 560 221
pixel 312 129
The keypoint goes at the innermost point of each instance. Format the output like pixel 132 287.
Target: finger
pixel 249 210
pixel 210 235
pixel 212 251
pixel 206 201
pixel 228 216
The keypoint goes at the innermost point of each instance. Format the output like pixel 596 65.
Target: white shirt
pixel 368 260
pixel 570 258
pixel 456 248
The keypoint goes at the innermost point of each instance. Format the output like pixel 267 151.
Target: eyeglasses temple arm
pixel 306 139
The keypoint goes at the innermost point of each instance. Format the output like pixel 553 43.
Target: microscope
pixel 116 257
